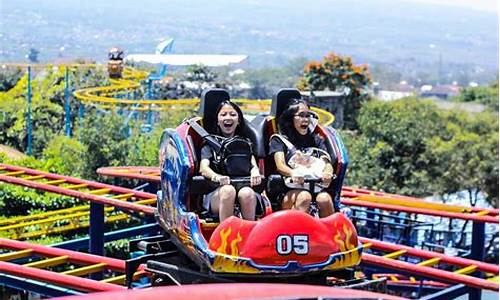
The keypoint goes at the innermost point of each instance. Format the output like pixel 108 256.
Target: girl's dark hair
pixel 285 121
pixel 215 129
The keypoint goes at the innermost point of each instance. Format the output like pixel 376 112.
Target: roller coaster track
pixel 393 257
pixel 117 94
pixel 68 219
pixel 57 221
pixel 35 262
pixel 424 263
pixel 352 197
pixel 113 96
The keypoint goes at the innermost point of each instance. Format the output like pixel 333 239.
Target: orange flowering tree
pixel 339 73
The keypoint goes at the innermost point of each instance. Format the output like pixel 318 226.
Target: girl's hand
pixel 222 180
pixel 298 178
pixel 326 179
pixel 255 178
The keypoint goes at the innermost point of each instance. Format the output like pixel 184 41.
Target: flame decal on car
pixel 351 253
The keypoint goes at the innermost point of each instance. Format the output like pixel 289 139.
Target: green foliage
pixel 48 87
pixel 389 153
pixel 200 73
pixel 339 73
pixel 48 240
pixel 143 149
pixel 105 138
pixel 18 200
pixel 46 116
pixel 66 155
pixel 21 201
pixel 487 95
pixel 117 249
pixel 411 147
pixel 468 155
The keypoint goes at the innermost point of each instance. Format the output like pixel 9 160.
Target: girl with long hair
pixel 295 135
pixel 229 121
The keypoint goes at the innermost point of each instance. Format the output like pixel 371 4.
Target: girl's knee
pixel 246 193
pixel 324 199
pixel 246 196
pixel 304 200
pixel 304 196
pixel 227 191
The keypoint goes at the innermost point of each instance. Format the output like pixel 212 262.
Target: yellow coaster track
pixel 109 97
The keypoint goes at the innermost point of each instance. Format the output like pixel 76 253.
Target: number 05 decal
pixel 298 243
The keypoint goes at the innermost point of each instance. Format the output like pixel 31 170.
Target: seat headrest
pixel 209 102
pixel 281 99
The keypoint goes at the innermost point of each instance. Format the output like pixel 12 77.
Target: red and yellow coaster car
pixel 281 242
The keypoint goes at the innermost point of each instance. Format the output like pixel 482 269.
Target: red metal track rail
pixel 428 259
pixel 150 174
pixel 74 193
pixel 423 211
pixel 71 281
pixel 82 284
pixel 367 258
pixel 457 261
pixel 379 261
pixel 76 257
pixel 351 192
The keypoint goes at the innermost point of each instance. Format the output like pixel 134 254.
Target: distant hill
pixel 409 35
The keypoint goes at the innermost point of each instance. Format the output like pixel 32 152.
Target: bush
pixel 66 155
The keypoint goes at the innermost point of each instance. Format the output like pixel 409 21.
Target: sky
pixel 483 5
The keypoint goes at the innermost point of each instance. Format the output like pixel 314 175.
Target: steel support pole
pixel 477 253
pixel 30 130
pixel 81 111
pixel 96 233
pixel 66 103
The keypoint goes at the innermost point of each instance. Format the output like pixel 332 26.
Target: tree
pixel 46 116
pixel 339 73
pixel 65 156
pixel 47 106
pixel 413 148
pixel 388 151
pixel 105 137
pixel 200 73
pixel 468 156
pixel 487 95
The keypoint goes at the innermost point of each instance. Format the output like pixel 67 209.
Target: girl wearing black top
pixel 221 201
pixel 293 125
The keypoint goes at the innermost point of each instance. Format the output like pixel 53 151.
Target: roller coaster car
pixel 281 245
pixel 115 62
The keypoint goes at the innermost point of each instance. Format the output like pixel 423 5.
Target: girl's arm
pixel 206 171
pixel 281 166
pixel 328 168
pixel 254 165
pixel 255 173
